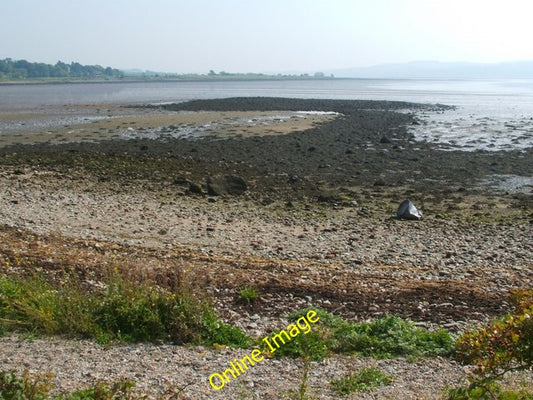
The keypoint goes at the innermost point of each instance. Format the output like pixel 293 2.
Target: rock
pixel 181 180
pixel 195 188
pixel 385 140
pixel 227 184
pixel 407 210
pixel 328 195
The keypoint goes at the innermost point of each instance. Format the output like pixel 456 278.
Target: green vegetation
pixel 387 337
pixel 122 311
pixel 22 69
pixel 248 294
pixel 364 380
pixel 502 346
pixel 489 391
pixel 303 388
pixel 14 386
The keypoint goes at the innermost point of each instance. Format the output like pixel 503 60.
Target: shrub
pixel 25 387
pixel 489 391
pixel 501 346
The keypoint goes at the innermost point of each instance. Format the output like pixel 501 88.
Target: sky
pixel 195 36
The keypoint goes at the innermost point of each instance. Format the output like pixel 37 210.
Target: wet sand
pixel 75 124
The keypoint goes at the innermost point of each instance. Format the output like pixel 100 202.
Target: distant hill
pixel 441 70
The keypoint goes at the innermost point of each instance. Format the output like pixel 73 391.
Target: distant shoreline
pixel 149 80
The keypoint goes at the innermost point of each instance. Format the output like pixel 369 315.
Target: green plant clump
pixel 387 337
pixel 122 311
pixel 489 391
pixel 501 346
pixel 248 294
pixel 24 386
pixel 365 380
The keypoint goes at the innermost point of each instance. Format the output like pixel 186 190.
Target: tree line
pixel 22 69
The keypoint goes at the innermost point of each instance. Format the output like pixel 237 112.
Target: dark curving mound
pixel 368 145
pixel 291 104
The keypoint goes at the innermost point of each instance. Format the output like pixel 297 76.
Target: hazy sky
pixel 264 36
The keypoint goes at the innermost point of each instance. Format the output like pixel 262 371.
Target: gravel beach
pixel 265 193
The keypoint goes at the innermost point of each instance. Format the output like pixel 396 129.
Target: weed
pixel 38 387
pixel 248 294
pixel 304 384
pixel 122 311
pixel 315 345
pixel 25 387
pixel 303 388
pixel 364 380
pixel 387 337
pixel 490 391
pixel 121 389
pixel 393 336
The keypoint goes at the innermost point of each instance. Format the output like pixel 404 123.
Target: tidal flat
pixel 264 193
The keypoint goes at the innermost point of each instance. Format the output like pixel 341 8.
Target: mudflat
pixel 293 197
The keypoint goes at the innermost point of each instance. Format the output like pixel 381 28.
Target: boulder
pixel 226 184
pixel 195 188
pixel 407 210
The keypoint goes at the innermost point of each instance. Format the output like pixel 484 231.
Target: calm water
pixel 491 115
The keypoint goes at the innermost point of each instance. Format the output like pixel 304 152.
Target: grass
pixel 248 295
pixel 386 337
pixel 365 380
pixel 121 311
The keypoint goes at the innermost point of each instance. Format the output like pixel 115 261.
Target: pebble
pixel 439 250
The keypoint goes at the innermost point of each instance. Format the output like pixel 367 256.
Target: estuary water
pixel 490 115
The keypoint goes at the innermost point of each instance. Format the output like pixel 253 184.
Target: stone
pixel 407 210
pixel 329 195
pixel 181 180
pixel 226 185
pixel 195 188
